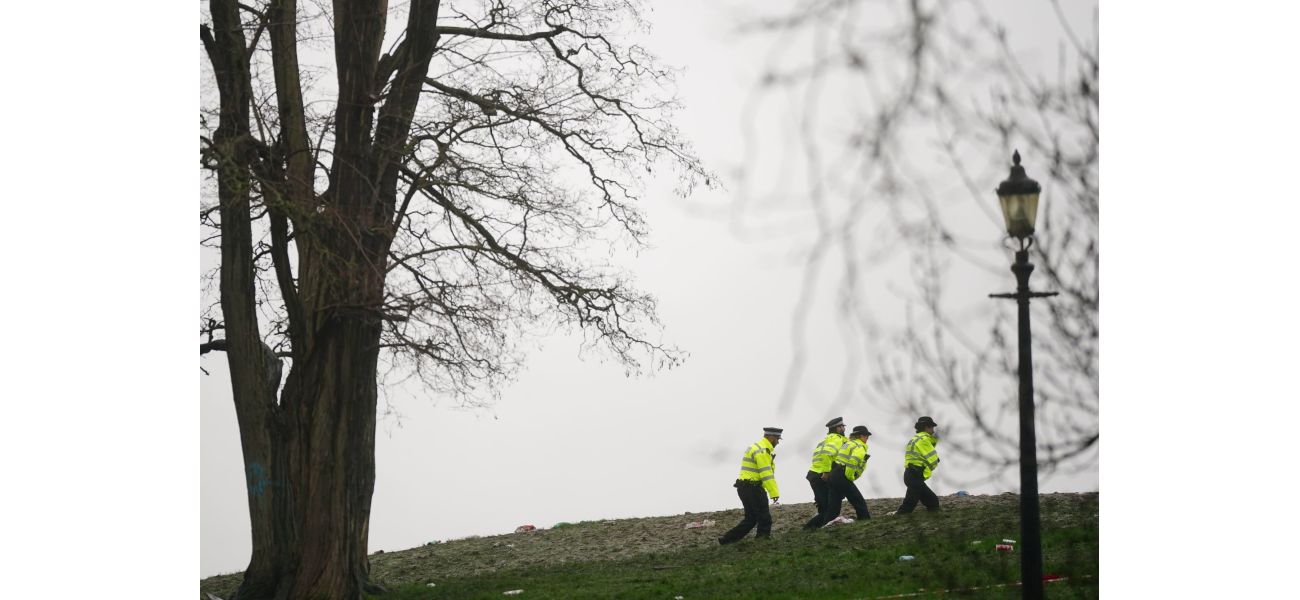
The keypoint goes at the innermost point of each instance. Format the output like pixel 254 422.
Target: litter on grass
pixel 699 524
pixel 1004 547
pixel 512 593
pixel 431 585
pixel 1006 541
pixel 907 557
pixel 839 521
pixel 523 528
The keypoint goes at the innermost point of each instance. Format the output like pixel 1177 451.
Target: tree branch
pixel 394 124
pixel 293 191
pixel 493 35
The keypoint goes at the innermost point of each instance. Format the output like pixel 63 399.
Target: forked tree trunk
pixel 311 470
pixel 310 461
pixel 310 457
pixel 328 450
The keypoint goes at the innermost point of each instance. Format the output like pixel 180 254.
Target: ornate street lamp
pixel 1018 196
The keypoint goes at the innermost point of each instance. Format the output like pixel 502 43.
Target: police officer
pixel 819 473
pixel 849 464
pixel 757 481
pixel 919 461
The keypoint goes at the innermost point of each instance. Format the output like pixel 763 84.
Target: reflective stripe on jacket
pixel 853 456
pixel 921 452
pixel 759 464
pixel 825 452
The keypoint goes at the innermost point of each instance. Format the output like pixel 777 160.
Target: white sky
pixel 98 436
pixel 727 301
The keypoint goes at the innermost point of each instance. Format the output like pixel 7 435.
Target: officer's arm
pixel 931 456
pixel 767 474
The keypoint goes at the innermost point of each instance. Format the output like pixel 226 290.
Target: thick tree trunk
pixel 309 458
pixel 331 459
pixel 311 471
pixel 311 464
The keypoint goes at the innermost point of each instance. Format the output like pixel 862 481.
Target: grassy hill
pixel 657 557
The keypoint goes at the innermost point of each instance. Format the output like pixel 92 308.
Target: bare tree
pixel 907 113
pixel 427 206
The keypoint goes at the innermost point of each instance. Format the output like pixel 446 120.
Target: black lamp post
pixel 1019 198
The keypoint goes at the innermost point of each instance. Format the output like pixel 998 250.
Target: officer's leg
pixel 764 516
pixel 859 503
pixel 821 494
pixel 819 490
pixel 834 501
pixel 746 523
pixel 928 497
pixel 751 509
pixel 910 479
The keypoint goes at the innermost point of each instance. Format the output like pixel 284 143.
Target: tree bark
pixel 254 396
pixel 309 458
pixel 331 459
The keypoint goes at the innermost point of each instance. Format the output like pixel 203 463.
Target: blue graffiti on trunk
pixel 259 479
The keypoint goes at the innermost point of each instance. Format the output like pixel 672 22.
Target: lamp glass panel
pixel 1019 211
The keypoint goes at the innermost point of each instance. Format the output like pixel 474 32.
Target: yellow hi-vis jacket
pixel 825 452
pixel 853 455
pixel 759 464
pixel 921 452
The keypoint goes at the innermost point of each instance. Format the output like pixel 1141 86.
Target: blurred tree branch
pixel 908 112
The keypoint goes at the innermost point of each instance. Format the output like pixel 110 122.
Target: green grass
pixel 655 558
pixel 824 569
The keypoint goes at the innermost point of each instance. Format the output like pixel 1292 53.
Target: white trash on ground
pixel 1006 541
pixel 512 593
pixel 699 524
pixel 839 521
pixel 907 557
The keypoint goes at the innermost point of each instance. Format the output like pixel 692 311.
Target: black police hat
pixel 860 430
pixel 836 422
pixel 926 422
pixel 776 431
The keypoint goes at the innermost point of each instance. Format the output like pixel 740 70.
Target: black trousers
pixel 841 489
pixel 821 493
pixel 917 490
pixel 754 498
